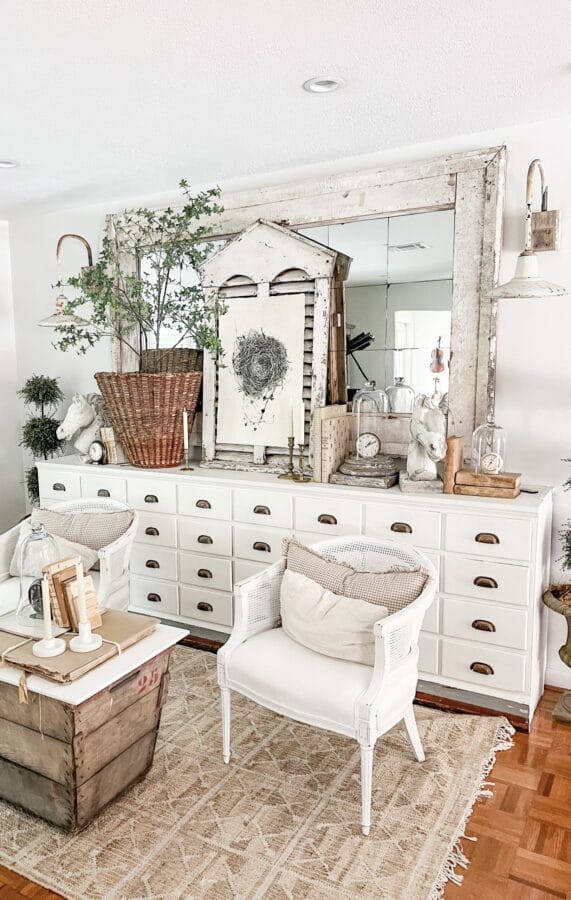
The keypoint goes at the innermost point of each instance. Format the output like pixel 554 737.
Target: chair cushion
pixel 283 675
pixel 95 530
pixel 392 588
pixel 326 622
pixel 65 548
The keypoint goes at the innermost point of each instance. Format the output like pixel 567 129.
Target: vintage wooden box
pixel 65 763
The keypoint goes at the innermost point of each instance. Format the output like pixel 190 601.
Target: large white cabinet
pixel 202 532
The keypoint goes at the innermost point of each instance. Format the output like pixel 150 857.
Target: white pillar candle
pixel 301 434
pixel 46 608
pixel 185 428
pixel 81 605
pixel 290 418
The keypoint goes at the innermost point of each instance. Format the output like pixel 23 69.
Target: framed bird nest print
pixel 280 347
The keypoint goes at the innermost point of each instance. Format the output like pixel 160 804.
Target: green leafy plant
pixel 153 299
pixel 39 431
pixel 565 532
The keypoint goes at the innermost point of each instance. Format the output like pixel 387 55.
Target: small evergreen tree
pixel 39 432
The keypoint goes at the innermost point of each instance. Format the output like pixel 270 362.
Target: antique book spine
pixel 502 480
pixel 453 462
pixel 472 490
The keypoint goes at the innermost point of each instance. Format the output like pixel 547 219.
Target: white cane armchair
pixel 261 662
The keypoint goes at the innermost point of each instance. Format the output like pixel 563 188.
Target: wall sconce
pixel 59 317
pixel 542 231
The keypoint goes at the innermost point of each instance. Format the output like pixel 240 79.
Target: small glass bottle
pixel 369 399
pixel 401 396
pixel 489 448
pixel 38 549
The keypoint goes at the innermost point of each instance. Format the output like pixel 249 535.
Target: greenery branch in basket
pixel 140 308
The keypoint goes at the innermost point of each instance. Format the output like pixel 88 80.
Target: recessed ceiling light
pixel 323 84
pixel 8 164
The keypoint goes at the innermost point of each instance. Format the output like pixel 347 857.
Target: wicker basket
pixel 146 413
pixel 178 360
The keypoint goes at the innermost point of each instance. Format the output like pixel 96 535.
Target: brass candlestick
pixel 290 470
pixel 300 475
pixel 186 467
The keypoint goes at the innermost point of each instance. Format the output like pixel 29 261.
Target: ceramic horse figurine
pixel 427 439
pixel 83 419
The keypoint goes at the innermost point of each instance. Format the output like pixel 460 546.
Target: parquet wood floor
pixel 523 851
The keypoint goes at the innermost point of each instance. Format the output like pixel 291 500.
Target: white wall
pixel 534 365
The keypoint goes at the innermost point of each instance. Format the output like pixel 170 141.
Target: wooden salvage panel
pixel 37 794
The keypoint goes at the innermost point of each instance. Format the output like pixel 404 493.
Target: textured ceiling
pixel 107 98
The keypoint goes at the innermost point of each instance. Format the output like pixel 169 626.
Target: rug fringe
pixel 456 856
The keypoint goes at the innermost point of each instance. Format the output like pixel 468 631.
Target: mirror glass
pixel 398 298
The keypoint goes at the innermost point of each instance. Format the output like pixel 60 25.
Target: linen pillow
pixel 65 548
pixel 326 622
pixel 95 530
pixel 393 588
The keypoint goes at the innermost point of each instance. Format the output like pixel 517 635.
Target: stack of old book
pixel 476 484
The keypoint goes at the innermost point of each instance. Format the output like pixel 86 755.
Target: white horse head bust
pixel 83 419
pixel 427 439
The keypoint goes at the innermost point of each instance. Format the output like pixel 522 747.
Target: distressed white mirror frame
pixel 472 184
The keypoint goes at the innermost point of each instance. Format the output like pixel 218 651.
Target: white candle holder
pixel 85 641
pixel 49 647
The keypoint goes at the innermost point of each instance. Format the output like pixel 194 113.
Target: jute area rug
pixel 281 821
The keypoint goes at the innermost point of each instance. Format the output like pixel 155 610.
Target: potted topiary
pixel 39 434
pixel 144 309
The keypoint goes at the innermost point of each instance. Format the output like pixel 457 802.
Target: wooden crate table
pixel 74 748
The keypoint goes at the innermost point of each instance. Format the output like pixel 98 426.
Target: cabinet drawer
pixel 206 572
pixel 56 485
pixel 484 666
pixel 327 516
pixel 428 658
pixel 259 544
pixel 152 495
pixel 420 527
pixel 159 597
pixel 101 485
pixel 263 508
pixel 488 623
pixel 206 501
pixel 489 536
pixel 243 569
pixel 431 621
pixel 486 580
pixel 205 537
pixel 209 606
pixel 156 529
pixel 154 562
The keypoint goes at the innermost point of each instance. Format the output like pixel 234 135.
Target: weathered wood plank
pixel 40 713
pixel 44 755
pixel 37 794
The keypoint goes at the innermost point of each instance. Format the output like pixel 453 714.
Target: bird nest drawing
pixel 260 364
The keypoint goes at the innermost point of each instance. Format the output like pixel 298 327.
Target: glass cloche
pixel 401 396
pixel 369 399
pixel 38 549
pixel 489 448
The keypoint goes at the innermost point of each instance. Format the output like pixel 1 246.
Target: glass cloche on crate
pixel 489 448
pixel 368 399
pixel 38 549
pixel 401 396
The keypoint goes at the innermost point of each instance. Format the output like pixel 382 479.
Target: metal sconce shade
pixel 526 283
pixel 61 318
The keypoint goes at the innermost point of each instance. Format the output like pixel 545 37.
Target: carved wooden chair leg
pixel 413 735
pixel 226 723
pixel 366 787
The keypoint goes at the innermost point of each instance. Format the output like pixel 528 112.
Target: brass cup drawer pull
pixel 204 573
pixel 154 598
pixel 326 519
pixel 204 539
pixel 58 486
pixel 262 510
pixel 481 668
pixel 205 607
pixel 483 625
pixel 487 537
pixel 203 504
pixel 152 531
pixel 484 581
pixel 262 546
pixel 103 492
pixel 152 564
pixel 401 528
pixel 151 498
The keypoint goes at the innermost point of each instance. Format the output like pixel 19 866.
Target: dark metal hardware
pixel 262 510
pixel 151 498
pixel 204 573
pixel 103 492
pixel 401 527
pixel 483 625
pixel 205 607
pixel 481 668
pixel 153 598
pixel 152 564
pixel 152 531
pixel 261 545
pixel 326 519
pixel 58 486
pixel 485 581
pixel 487 537
pixel 203 504
pixel 204 539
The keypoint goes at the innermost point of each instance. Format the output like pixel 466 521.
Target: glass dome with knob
pixel 38 549
pixel 369 399
pixel 489 448
pixel 401 396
